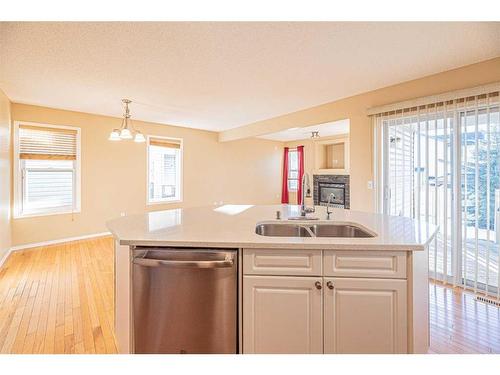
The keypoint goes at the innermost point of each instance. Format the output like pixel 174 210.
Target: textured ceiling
pixel 218 76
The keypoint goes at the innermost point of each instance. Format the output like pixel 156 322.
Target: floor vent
pixel 488 301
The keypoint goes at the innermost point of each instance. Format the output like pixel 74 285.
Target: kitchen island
pixel 298 294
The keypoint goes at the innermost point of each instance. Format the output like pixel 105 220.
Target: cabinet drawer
pixel 282 262
pixel 382 264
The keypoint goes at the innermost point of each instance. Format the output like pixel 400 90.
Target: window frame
pixel 288 179
pixel 181 172
pixel 18 175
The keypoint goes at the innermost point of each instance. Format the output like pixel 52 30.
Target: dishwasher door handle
pixel 228 262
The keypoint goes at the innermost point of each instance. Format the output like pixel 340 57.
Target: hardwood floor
pixel 59 299
pixel 460 324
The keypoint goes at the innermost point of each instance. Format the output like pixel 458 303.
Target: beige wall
pixel 114 173
pixel 4 175
pixel 354 108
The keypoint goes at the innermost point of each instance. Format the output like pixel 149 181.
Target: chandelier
pixel 127 130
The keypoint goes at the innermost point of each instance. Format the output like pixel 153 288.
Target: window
pixel 293 170
pixel 164 170
pixel 47 171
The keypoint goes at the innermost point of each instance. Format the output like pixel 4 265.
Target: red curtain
pixel 300 157
pixel 284 189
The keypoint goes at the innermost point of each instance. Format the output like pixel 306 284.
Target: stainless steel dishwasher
pixel 184 300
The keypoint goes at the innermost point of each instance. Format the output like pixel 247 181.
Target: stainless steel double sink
pixel 312 230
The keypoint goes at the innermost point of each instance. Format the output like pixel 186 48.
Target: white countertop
pixel 233 226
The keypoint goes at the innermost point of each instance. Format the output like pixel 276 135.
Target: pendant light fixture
pixel 127 130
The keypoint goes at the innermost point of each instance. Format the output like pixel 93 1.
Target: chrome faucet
pixel 306 193
pixel 328 212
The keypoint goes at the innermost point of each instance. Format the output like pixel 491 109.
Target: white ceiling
pixel 217 76
pixel 327 129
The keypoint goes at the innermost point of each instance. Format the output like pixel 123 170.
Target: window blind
pixel 440 163
pixel 44 143
pixel 168 143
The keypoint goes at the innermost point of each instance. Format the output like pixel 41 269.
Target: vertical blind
pixel 47 162
pixel 440 162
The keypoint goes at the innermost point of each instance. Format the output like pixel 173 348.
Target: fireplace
pixel 324 185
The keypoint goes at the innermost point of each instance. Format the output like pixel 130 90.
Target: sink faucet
pixel 306 193
pixel 328 212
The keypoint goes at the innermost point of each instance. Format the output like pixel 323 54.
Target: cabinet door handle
pixel 318 285
pixel 329 284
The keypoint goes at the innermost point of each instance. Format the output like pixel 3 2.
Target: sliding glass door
pixel 440 163
pixel 479 164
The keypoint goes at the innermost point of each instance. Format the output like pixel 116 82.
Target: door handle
pixel 329 284
pixel 146 262
pixel 318 285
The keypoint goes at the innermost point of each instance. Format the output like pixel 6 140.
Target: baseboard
pixel 54 242
pixel 4 258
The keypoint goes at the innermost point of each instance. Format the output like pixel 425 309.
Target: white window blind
pixel 164 170
pixel 42 143
pixel 440 162
pixel 47 174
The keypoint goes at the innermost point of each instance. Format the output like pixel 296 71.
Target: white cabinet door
pixel 282 314
pixel 365 315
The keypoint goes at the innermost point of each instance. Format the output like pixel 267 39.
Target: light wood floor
pixel 460 324
pixel 59 299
